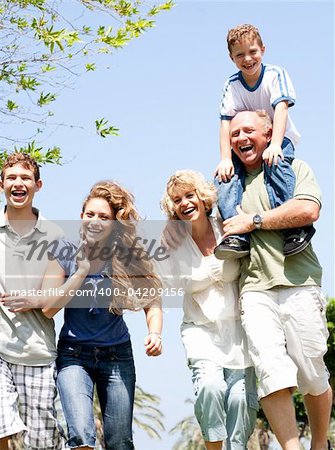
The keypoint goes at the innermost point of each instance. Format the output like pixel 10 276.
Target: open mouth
pixel 93 230
pixel 19 195
pixel 246 148
pixel 189 211
pixel 249 66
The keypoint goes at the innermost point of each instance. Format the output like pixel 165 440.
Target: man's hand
pixel 242 223
pixel 173 234
pixel 19 303
pixel 225 170
pixel 272 154
pixel 153 344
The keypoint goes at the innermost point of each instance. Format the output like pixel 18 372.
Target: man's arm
pixel 294 213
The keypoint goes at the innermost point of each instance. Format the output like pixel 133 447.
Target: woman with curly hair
pixel 96 280
pixel 214 340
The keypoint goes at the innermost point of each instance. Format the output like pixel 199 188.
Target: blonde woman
pixel 94 348
pixel 215 343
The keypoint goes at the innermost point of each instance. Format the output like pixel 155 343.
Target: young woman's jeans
pixel 279 182
pixel 112 371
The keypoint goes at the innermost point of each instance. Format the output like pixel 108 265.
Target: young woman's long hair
pixel 134 282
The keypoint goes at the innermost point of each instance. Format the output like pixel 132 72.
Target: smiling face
pixel 19 186
pixel 247 54
pixel 249 137
pixel 188 205
pixel 97 221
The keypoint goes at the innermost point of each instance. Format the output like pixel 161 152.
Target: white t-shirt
pixel 273 86
pixel 211 327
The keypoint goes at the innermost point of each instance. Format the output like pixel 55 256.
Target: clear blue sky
pixel 163 92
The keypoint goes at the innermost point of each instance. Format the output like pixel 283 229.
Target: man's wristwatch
pixel 257 221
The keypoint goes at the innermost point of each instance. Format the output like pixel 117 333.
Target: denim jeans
pixel 112 371
pixel 279 182
pixel 226 402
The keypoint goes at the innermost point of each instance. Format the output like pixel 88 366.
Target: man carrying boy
pixel 282 308
pixel 257 86
pixel 27 339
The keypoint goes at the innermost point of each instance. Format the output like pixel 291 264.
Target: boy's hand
pixel 272 153
pixel 225 170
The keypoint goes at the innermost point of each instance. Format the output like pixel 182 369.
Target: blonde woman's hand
pixel 173 234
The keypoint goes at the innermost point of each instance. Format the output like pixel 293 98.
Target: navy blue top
pixel 87 319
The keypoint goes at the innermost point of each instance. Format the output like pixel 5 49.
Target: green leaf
pixel 45 99
pixel 22 67
pixel 28 83
pixel 11 105
pixel 104 130
pixel 90 67
pixel 47 68
pixel 43 46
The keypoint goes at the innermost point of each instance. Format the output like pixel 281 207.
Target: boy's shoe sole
pixel 231 248
pixel 297 240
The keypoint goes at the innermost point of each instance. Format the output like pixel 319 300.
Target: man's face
pixel 19 186
pixel 249 139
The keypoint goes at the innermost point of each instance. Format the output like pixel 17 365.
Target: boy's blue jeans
pixel 279 182
pixel 111 369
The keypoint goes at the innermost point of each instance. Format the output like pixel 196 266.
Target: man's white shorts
pixel 287 338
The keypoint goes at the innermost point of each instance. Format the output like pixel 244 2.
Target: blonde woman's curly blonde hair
pixel 187 180
pixel 133 274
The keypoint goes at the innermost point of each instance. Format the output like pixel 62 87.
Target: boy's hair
pixel 21 159
pixel 245 31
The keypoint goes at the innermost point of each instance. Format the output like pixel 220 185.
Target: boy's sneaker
pixel 297 239
pixel 232 248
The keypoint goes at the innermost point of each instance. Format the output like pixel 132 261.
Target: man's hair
pixel 245 31
pixel 21 159
pixel 266 119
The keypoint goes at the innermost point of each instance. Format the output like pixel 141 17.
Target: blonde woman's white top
pixel 211 327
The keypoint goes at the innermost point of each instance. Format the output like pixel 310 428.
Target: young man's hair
pixel 245 31
pixel 21 159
